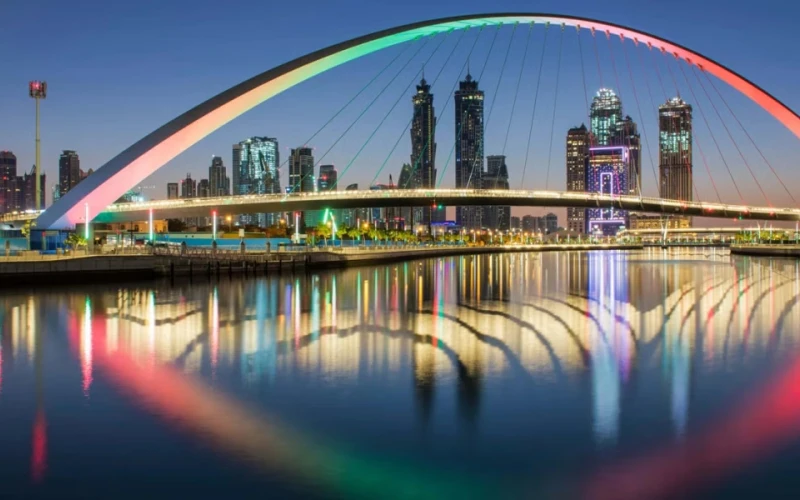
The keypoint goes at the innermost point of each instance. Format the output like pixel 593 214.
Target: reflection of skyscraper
pixel 578 140
pixel 255 166
pixel 469 147
pixel 301 175
pixel 496 177
pixel 423 147
pixel 675 150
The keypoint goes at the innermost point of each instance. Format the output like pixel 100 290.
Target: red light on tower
pixel 37 89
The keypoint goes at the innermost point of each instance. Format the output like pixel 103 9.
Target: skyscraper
pixel 203 189
pixel 578 140
pixel 218 182
pixel 8 177
pixel 69 171
pixel 613 167
pixel 172 190
pixel 188 187
pixel 496 217
pixel 675 150
pixel 26 190
pixel 423 148
pixel 255 167
pixel 353 216
pixel 606 113
pixel 405 181
pixel 326 181
pixel 469 147
pixel 301 175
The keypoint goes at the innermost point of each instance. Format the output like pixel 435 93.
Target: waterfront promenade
pixel 30 268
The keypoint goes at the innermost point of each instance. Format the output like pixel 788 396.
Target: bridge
pixel 204 207
pixel 93 198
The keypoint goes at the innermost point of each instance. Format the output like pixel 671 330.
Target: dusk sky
pixel 118 70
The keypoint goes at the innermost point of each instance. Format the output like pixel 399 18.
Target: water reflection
pixel 602 340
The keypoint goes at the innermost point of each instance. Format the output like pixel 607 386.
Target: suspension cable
pixel 555 105
pixel 730 136
pixel 403 131
pixel 368 84
pixel 695 137
pixel 583 76
pixel 641 117
pixel 363 112
pixel 396 102
pixel 627 135
pixel 516 90
pixel 447 101
pixel 500 78
pixel 535 101
pixel 710 130
pixel 763 157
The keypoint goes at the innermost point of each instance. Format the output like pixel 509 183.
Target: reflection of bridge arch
pixel 140 160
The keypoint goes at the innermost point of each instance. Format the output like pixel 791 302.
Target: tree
pixel 353 233
pixel 324 231
pixel 75 241
pixel 341 232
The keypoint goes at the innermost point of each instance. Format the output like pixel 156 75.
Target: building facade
pixel 301 176
pixel 496 217
pixel 69 171
pixel 8 177
pixel 255 167
pixel 26 190
pixel 218 181
pixel 578 141
pixel 172 190
pixel 675 168
pixel 469 148
pixel 423 151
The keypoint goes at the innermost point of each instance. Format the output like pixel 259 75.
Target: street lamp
pixel 38 91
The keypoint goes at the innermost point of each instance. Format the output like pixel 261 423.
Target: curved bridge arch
pixel 143 158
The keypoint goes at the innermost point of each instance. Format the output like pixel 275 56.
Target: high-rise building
pixel 628 135
pixel 607 174
pixel 351 217
pixel 218 181
pixel 578 140
pixel 203 189
pixel 405 181
pixel 516 223
pixel 529 223
pixel 301 176
pixel 469 147
pixel 328 178
pixel 605 113
pixel 26 190
pixel 423 150
pixel 172 190
pixel 255 167
pixel 675 168
pixel 188 187
pixel 69 171
pixel 8 178
pixel 614 166
pixel 496 177
pixel 550 223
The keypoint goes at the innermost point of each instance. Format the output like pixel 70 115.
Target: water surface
pixel 646 374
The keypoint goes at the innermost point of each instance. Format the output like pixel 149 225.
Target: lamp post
pixel 38 91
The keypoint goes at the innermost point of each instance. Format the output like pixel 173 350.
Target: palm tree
pixel 324 231
pixel 75 240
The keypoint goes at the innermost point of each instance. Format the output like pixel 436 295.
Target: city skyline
pixel 172 172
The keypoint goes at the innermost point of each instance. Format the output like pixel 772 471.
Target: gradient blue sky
pixel 118 70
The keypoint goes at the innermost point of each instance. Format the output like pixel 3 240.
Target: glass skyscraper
pixel 8 176
pixel 255 167
pixel 218 181
pixel 69 171
pixel 675 168
pixel 423 149
pixel 469 147
pixel 301 176
pixel 578 140
pixel 605 114
pixel 496 217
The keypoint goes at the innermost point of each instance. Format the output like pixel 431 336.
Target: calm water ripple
pixel 649 374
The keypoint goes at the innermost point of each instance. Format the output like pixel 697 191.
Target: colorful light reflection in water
pixel 588 374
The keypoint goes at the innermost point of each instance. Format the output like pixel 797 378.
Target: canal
pixel 607 374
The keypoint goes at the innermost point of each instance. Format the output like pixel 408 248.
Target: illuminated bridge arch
pixel 140 160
